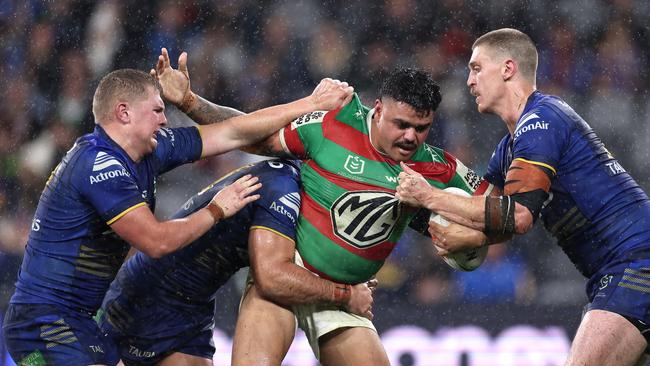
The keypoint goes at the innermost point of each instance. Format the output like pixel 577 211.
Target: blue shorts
pixel 51 335
pixel 148 350
pixel 623 288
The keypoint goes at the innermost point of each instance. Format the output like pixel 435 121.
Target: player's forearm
pixel 289 284
pixel 468 211
pixel 169 236
pixel 250 128
pixel 205 112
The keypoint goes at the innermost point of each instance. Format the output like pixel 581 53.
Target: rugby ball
pixel 466 260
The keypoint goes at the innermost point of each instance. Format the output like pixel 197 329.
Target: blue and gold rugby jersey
pixel 598 213
pixel 72 255
pixel 185 282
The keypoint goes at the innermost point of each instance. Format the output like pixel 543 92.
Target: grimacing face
pixel 485 79
pixel 148 116
pixel 399 129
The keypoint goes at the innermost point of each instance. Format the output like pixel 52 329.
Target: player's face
pixel 148 118
pixel 400 130
pixel 485 79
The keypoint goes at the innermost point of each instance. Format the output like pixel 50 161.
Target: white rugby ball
pixel 466 260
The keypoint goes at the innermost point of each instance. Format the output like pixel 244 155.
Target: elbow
pixel 153 248
pixel 155 251
pixel 268 284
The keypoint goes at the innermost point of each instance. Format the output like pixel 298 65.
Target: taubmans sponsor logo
pixel 364 218
pixel 103 161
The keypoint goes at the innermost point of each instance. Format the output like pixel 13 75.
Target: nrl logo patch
pixel 354 164
pixel 364 218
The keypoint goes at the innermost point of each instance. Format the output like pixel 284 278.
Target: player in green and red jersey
pixel 349 219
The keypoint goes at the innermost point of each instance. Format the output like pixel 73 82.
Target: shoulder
pixel 278 174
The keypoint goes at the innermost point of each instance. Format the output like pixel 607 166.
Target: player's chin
pixel 153 144
pixel 402 154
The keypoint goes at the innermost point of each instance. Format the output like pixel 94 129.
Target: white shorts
pixel 318 320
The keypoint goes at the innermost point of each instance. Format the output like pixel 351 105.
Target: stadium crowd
pixel 251 54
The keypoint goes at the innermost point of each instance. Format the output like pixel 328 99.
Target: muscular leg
pixel 182 359
pixel 352 346
pixel 262 345
pixel 606 338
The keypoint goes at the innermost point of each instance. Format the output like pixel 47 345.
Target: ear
pixel 122 112
pixel 378 107
pixel 509 69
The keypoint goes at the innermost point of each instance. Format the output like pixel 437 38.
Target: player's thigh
pixel 352 346
pixel 182 359
pixel 264 331
pixel 606 338
pixel 44 334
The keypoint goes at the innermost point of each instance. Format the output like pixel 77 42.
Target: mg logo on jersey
pixel 364 218
pixel 354 164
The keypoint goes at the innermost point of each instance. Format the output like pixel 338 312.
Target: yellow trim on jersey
pixel 271 230
pixel 198 127
pixel 225 176
pixel 125 212
pixel 538 163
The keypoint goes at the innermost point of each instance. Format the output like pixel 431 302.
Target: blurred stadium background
pixel 520 308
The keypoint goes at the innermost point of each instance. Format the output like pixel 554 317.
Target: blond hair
pixel 124 85
pixel 515 44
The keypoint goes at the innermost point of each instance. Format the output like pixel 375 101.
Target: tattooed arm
pixel 175 84
pixel 205 112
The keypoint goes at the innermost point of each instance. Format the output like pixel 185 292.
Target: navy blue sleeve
pixel 498 165
pixel 177 146
pixel 277 209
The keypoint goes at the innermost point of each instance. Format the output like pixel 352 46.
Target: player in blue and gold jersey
pixel 100 199
pixel 162 311
pixel 553 164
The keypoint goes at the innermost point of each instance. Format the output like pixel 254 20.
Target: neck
pixel 513 106
pixel 113 131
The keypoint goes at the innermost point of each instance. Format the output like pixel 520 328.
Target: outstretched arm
pixel 140 228
pixel 242 130
pixel 279 279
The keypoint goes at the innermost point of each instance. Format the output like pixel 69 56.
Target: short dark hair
pixel 121 85
pixel 509 42
pixel 413 87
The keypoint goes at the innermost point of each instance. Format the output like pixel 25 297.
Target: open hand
pixel 174 82
pixel 454 237
pixel 235 196
pixel 361 299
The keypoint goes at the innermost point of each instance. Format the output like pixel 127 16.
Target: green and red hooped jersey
pixel 350 220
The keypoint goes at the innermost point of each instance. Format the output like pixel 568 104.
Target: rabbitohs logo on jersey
pixel 364 218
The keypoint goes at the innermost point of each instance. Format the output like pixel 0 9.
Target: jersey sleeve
pixel 539 139
pixel 107 185
pixel 177 146
pixel 466 179
pixel 496 170
pixel 303 136
pixel 278 208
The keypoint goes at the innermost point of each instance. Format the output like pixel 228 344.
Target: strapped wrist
pixel 215 211
pixel 188 103
pixel 342 293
